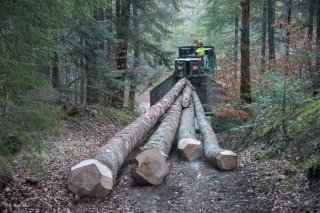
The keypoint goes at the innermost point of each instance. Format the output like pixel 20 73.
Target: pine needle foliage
pixel 30 35
pixel 26 42
pixel 283 108
pixel 154 18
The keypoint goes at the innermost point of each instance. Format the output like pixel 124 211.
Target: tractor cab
pixel 192 66
pixel 199 71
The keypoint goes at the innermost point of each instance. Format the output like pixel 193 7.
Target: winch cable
pixel 205 74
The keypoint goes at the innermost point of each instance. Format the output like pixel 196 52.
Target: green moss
pixel 122 115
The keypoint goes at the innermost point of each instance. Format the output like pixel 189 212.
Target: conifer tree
pixel 271 21
pixel 33 50
pixel 245 88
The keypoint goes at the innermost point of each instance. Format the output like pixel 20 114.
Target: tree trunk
pixel 221 158
pixel 55 71
pixel 245 88
pixel 317 74
pixel 122 25
pixel 189 148
pixel 123 18
pixel 312 4
pixel 310 35
pixel 271 20
pixel 132 90
pixel 66 79
pixel 92 90
pixel 151 165
pixel 95 177
pixel 236 44
pixel 289 9
pixel 264 37
pixel 136 59
pixel 83 81
pixel 96 46
pixel 186 96
pixel 109 19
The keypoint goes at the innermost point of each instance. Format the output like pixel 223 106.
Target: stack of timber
pixel 96 176
pixel 221 158
pixel 189 148
pixel 152 164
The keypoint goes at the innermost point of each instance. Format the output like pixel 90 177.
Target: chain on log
pixel 221 158
pixel 96 177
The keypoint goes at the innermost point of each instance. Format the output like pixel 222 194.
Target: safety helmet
pixel 199 43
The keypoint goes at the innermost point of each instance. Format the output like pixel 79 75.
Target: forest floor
pixel 255 186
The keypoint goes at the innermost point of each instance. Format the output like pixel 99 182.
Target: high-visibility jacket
pixel 200 51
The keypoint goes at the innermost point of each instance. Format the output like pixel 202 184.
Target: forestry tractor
pixel 199 71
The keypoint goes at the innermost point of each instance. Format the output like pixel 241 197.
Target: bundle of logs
pixel 96 177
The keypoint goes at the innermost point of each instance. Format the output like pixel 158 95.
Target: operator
pixel 199 48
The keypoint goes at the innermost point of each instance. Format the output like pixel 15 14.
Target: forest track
pixel 190 187
pixel 254 186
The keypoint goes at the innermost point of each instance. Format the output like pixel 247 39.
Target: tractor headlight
pixel 195 67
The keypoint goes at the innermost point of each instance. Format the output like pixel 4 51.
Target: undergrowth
pixel 122 115
pixel 284 119
pixel 23 120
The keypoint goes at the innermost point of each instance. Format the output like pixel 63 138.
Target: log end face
pixel 150 166
pixel 90 178
pixel 185 103
pixel 227 160
pixel 189 149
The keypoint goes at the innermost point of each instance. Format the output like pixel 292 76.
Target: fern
pixel 297 112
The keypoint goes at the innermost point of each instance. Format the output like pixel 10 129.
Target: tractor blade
pixel 159 91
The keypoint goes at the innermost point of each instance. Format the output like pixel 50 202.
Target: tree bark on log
pixel 189 148
pixel 221 158
pixel 95 177
pixel 186 97
pixel 152 165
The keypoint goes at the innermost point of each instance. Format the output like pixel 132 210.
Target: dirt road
pixel 190 187
pixel 255 186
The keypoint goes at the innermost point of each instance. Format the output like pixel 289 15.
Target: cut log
pixel 152 165
pixel 186 97
pixel 189 148
pixel 96 177
pixel 221 158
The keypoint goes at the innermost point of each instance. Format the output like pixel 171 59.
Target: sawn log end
pixel 189 149
pixel 227 160
pixel 150 166
pixel 90 178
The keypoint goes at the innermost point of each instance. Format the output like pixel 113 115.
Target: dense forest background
pixel 57 54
